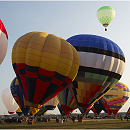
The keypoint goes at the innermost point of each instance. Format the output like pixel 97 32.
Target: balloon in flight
pixel 105 15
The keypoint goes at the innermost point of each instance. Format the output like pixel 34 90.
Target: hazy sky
pixel 64 19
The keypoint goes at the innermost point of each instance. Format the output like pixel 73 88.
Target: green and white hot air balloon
pixel 105 15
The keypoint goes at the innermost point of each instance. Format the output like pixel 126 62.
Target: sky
pixel 64 19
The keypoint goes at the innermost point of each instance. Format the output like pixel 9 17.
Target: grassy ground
pixel 87 124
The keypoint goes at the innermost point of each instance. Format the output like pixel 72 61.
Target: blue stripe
pixel 88 40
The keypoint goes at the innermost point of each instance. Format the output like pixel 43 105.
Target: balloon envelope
pixel 44 64
pixel 102 64
pixel 105 15
pixel 117 97
pixel 67 101
pixel 9 101
pixel 18 96
pixel 3 41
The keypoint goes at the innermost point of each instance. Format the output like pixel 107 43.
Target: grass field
pixel 86 124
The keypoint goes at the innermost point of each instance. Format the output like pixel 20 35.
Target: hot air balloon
pixel 44 64
pixel 18 96
pixel 117 97
pixel 9 101
pixel 3 41
pixel 102 64
pixel 105 15
pixel 67 101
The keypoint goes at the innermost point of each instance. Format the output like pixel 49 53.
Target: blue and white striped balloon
pixel 102 63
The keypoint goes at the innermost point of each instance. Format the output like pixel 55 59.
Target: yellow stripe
pixel 20 55
pixel 64 66
pixel 32 63
pixel 20 50
pixel 50 49
pixel 35 46
pixel 66 61
pixel 33 51
pixel 62 71
pixel 49 56
pixel 33 57
pixel 47 67
pixel 66 55
pixel 51 62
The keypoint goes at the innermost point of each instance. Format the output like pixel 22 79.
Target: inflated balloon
pixel 67 101
pixel 105 15
pixel 18 96
pixel 44 64
pixel 117 97
pixel 3 41
pixel 9 101
pixel 102 64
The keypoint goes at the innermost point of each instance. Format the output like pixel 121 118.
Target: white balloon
pixel 9 101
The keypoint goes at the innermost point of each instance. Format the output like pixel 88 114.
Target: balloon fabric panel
pixel 53 66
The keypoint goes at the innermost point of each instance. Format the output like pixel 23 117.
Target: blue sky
pixel 64 19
